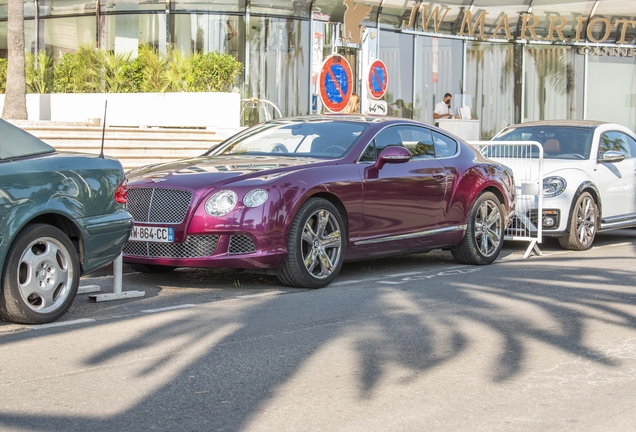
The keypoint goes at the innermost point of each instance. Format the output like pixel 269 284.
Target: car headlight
pixel 553 186
pixel 221 203
pixel 255 197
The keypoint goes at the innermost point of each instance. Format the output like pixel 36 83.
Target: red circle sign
pixel 336 83
pixel 378 79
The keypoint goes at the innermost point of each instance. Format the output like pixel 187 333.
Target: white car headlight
pixel 553 186
pixel 255 197
pixel 221 203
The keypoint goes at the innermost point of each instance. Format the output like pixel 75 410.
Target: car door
pixel 404 199
pixel 617 180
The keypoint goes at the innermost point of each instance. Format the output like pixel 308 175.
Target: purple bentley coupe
pixel 297 197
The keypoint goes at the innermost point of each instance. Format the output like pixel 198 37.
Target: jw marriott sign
pixel 474 25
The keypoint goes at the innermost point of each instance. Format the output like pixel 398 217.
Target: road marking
pixel 269 293
pixel 60 324
pixel 418 276
pixel 168 308
pixel 347 282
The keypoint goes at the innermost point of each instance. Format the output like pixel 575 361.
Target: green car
pixel 61 215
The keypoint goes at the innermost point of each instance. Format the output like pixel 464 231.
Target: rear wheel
pixel 315 247
pixel 583 223
pixel 151 268
pixel 484 232
pixel 41 276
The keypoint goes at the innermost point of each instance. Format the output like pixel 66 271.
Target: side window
pixel 419 141
pixel 615 141
pixel 631 143
pixel 444 146
pixel 388 137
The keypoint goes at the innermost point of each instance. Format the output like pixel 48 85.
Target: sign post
pixel 336 83
pixel 378 81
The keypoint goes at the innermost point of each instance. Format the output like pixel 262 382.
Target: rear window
pixel 16 143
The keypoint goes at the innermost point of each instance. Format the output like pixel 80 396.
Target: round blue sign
pixel 335 83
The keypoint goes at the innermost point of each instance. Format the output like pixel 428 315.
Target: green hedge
pixel 98 71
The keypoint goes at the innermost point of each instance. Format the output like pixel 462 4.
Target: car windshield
pixel 15 143
pixel 559 142
pixel 317 138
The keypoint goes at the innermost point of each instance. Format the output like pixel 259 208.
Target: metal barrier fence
pixel 525 158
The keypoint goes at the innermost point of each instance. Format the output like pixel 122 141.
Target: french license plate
pixel 152 234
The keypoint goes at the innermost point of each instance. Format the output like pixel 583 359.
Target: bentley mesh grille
pixel 241 244
pixel 158 205
pixel 193 247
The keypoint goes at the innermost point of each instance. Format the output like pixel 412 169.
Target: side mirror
pixel 393 155
pixel 611 156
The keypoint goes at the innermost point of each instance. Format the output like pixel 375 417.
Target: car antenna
pixel 101 153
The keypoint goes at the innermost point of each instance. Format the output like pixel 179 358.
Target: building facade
pixel 509 61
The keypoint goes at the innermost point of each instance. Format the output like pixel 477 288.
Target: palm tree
pixel 551 66
pixel 15 97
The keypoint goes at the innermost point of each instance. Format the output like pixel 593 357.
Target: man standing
pixel 443 109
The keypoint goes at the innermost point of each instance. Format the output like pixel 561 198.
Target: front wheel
pixel 315 247
pixel 583 222
pixel 484 232
pixel 41 276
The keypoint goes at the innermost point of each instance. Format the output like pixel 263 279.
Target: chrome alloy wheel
pixel 321 244
pixel 45 275
pixel 586 221
pixel 488 230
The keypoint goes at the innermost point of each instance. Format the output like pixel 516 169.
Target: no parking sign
pixel 378 79
pixel 336 83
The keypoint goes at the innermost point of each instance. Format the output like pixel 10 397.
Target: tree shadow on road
pixel 216 366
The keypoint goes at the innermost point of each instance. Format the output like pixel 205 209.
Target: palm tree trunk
pixel 15 97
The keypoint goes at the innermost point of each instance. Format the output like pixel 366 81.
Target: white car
pixel 589 177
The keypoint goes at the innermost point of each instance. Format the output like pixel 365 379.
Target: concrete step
pixel 133 147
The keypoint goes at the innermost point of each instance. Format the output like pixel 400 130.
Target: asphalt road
pixel 414 343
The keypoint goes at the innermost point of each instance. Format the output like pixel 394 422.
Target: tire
pixel 41 276
pixel 484 232
pixel 151 268
pixel 315 247
pixel 583 224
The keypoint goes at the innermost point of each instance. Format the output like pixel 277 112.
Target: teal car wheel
pixel 41 276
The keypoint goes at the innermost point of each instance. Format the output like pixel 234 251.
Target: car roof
pixel 15 142
pixel 563 122
pixel 349 117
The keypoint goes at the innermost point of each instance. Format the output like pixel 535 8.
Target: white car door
pixel 617 180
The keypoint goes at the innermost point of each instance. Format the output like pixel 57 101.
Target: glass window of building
pixel 396 51
pixel 208 6
pixel 554 78
pixel 438 70
pixel 279 69
pixel 132 5
pixel 65 35
pixel 490 85
pixel 205 33
pixel 295 8
pixel 65 7
pixel 124 33
pixel 614 99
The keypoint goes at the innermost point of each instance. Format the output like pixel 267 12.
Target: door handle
pixel 439 175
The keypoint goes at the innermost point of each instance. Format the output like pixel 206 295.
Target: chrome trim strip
pixel 412 235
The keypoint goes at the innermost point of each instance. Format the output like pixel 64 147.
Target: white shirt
pixel 442 109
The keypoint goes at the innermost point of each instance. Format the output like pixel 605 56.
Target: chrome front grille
pixel 193 247
pixel 241 244
pixel 158 205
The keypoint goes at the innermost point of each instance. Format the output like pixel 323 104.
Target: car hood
pixel 205 171
pixel 550 166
